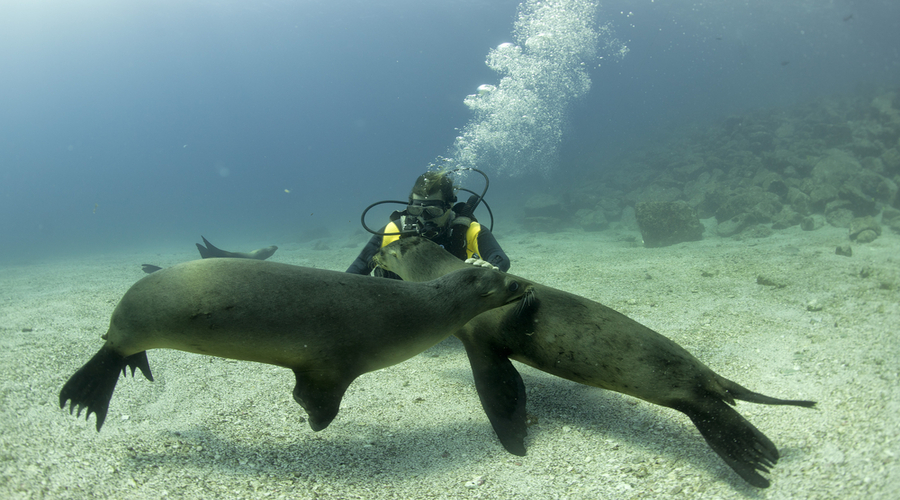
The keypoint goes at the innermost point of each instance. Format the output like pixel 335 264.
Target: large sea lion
pixel 329 327
pixel 584 341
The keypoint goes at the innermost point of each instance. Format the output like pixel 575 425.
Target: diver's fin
pixel 502 394
pixel 93 384
pixel 320 394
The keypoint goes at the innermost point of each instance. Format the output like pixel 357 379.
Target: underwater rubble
pixel 832 161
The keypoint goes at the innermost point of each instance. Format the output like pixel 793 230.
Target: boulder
pixel 665 223
pixel 544 205
pixel 864 229
pixel 591 220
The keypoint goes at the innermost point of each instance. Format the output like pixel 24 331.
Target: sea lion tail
pixel 93 384
pixel 741 445
pixel 739 392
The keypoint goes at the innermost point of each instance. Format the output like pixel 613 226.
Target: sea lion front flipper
pixel 502 394
pixel 149 268
pixel 320 394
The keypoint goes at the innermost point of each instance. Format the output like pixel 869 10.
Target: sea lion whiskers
pixel 527 302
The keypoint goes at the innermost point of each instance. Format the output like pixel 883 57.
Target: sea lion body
pixel 584 341
pixel 328 327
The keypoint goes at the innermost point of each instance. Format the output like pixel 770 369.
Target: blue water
pixel 144 124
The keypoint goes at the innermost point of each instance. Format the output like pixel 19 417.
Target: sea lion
pixel 329 327
pixel 210 251
pixel 584 341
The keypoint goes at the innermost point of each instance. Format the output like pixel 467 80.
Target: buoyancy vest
pixel 463 237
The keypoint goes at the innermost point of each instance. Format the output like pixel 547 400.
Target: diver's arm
pixel 490 250
pixel 363 263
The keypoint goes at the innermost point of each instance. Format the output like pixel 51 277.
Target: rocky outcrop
pixel 835 159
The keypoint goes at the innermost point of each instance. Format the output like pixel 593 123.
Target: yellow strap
pixel 472 239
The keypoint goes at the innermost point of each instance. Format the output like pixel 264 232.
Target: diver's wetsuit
pixel 488 250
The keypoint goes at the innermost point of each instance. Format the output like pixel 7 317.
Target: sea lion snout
pixel 490 283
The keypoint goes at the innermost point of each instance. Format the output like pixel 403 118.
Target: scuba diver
pixel 431 213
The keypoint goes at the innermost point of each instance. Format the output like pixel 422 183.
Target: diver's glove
pixel 482 263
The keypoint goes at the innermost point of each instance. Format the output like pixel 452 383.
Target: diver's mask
pixel 426 217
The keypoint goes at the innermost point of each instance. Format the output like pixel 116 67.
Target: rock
pixel 861 225
pixel 886 191
pixel 822 195
pixel 844 250
pixel 861 203
pixel 778 187
pixel 733 225
pixel 891 160
pixel 628 221
pixel 543 224
pixel 866 236
pixel 754 200
pixel 787 218
pixel 657 192
pixel 884 105
pixel 798 200
pixel 837 214
pixel 665 223
pixel 756 231
pixel 591 220
pixel 770 281
pixel 766 211
pixel 836 168
pixel 544 205
pixel 812 223
pixel 688 171
pixel 834 134
pixel 891 218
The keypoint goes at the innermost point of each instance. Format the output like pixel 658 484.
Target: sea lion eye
pixel 513 286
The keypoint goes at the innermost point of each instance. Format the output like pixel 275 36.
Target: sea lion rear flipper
pixel 502 394
pixel 209 251
pixel 93 384
pixel 741 445
pixel 320 394
pixel 204 253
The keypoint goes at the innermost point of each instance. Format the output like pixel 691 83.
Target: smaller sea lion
pixel 329 327
pixel 584 341
pixel 209 251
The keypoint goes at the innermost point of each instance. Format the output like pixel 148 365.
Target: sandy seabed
pixel 216 428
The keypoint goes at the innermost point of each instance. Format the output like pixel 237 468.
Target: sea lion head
pixel 263 253
pixel 492 287
pixel 417 259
